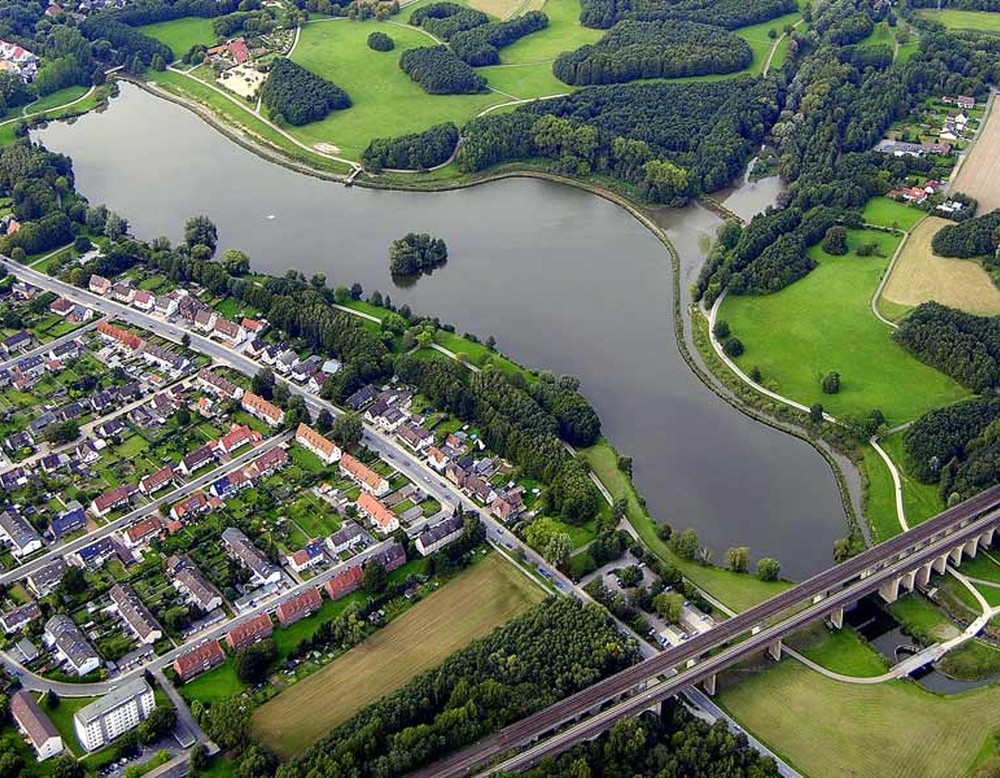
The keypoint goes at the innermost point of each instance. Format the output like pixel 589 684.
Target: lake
pixel 563 279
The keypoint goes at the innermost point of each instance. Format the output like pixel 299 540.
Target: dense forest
pixel 962 345
pixel 942 434
pixel 673 744
pixel 667 140
pixel 40 185
pixel 130 45
pixel 416 151
pixel 439 71
pixel 972 238
pixel 552 651
pixel 729 14
pixel 444 20
pixel 669 49
pixel 298 96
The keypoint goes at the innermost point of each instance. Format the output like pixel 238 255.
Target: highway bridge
pixel 903 562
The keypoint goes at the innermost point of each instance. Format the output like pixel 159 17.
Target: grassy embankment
pixel 823 323
pixel 737 591
pixel 469 607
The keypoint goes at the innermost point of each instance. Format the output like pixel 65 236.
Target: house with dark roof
pixel 20 617
pixel 135 614
pixel 47 577
pixel 440 535
pixel 38 730
pixel 18 535
pixel 72 519
pixel 70 646
pixel 197 459
pixel 191 582
pixel 239 547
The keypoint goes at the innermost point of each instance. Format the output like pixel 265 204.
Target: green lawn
pixel 761 43
pixel 824 323
pixel 881 36
pixel 888 213
pixel 737 591
pixel 218 684
pixel 922 619
pixel 880 498
pixel 62 717
pixel 971 661
pixel 983 21
pixel 891 730
pixel 842 651
pixel 920 501
pixel 982 567
pixel 181 34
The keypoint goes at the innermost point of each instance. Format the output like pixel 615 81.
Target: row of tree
pixel 416 151
pixel 550 652
pixel 481 45
pixel 659 49
pixel 729 14
pixel 439 71
pixel 298 96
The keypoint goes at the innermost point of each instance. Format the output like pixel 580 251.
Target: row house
pixel 123 292
pixel 135 614
pixel 18 534
pixel 440 535
pixel 299 606
pixel 219 385
pixel 251 631
pixel 70 646
pixel 240 548
pixel 348 537
pixel 416 437
pixel 228 331
pixel 96 554
pixel 154 482
pixel 364 476
pixel 268 463
pixel 344 582
pixel 383 518
pixel 257 406
pixel 143 531
pixel 313 554
pixel 199 660
pixel 119 336
pixel 20 617
pixel 362 398
pixel 192 583
pixel 311 440
pixel 111 500
pixel 16 343
pixel 197 459
pixel 194 505
pixel 239 435
pixel 46 578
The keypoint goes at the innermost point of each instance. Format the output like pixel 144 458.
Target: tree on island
pixel 415 253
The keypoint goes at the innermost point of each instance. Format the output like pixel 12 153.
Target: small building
pixel 116 713
pixel 344 582
pixel 199 660
pixel 99 285
pixel 37 729
pixel 257 406
pixel 350 535
pixel 383 518
pixel 365 477
pixel 299 607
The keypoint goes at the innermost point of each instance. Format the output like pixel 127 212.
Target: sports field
pixel 824 323
pixel 892 730
pixel 985 21
pixel 181 34
pixel 469 607
pixel 921 275
pixel 980 173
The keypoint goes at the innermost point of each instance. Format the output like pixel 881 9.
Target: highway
pixel 60 550
pixel 839 586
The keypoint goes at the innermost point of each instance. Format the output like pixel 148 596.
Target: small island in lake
pixel 414 254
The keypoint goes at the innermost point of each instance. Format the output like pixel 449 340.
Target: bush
pixel 835 241
pixel 830 383
pixel 732 346
pixel 379 41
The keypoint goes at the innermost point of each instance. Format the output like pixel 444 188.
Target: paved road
pixel 62 549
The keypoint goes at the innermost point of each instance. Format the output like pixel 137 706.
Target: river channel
pixel 563 279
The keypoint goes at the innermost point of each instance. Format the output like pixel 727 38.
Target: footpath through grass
pixel 738 591
pixel 824 323
pixel 469 607
pixel 892 730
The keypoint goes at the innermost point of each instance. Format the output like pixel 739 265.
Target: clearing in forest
pixel 469 607
pixel 921 275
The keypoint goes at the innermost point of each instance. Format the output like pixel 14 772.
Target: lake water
pixel 562 279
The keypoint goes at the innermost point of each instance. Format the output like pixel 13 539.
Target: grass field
pixel 971 661
pixel 181 34
pixel 738 591
pixel 980 173
pixel 888 213
pixel 922 619
pixel 840 650
pixel 984 21
pixel 823 323
pixel 761 43
pixel 880 500
pixel 896 729
pixel 467 608
pixel 921 275
pixel 920 501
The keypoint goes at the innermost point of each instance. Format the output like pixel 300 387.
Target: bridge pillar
pixel 709 684
pixel 837 617
pixel 956 555
pixel 908 580
pixel 940 564
pixel 924 574
pixel 774 650
pixel 889 590
pixel 971 548
pixel 986 539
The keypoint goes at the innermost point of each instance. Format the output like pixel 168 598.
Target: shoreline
pixel 271 153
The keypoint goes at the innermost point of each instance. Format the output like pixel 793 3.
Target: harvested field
pixel 921 275
pixel 980 173
pixel 471 606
